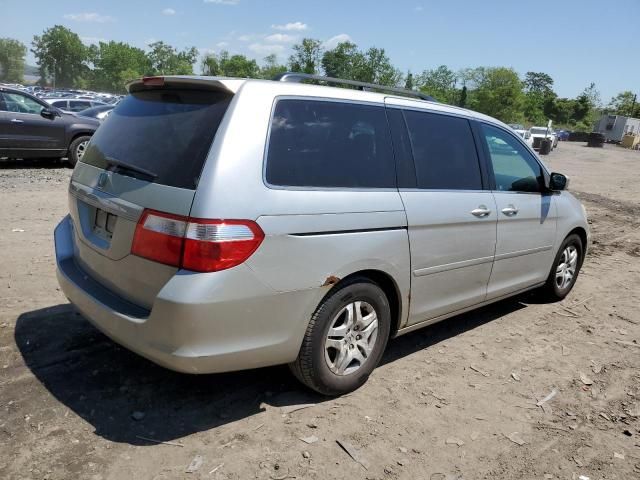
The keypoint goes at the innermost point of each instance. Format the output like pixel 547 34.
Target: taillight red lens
pixel 159 237
pixel 199 245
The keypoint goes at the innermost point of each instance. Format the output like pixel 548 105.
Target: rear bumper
pixel 199 323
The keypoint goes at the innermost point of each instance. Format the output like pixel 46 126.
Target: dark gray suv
pixel 31 128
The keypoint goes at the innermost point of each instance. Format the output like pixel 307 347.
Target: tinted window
pixel 329 144
pixel 514 168
pixel 444 152
pixel 63 104
pixel 162 131
pixel 14 102
pixel 78 105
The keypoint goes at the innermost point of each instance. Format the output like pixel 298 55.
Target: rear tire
pixel 343 343
pixel 77 148
pixel 565 269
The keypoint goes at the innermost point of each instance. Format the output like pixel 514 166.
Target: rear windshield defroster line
pixel 165 131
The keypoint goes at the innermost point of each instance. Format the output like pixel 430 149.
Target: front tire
pixel 565 269
pixel 345 338
pixel 77 149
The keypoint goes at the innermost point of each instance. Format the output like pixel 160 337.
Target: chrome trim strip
pixel 105 201
pixel 519 253
pixel 451 266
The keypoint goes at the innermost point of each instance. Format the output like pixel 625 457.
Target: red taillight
pixel 153 81
pixel 195 244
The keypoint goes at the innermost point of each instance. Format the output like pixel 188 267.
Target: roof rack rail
pixel 299 77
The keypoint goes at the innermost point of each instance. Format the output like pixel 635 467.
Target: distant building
pixel 614 127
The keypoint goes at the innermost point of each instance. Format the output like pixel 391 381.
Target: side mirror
pixel 49 113
pixel 558 182
pixel 527 135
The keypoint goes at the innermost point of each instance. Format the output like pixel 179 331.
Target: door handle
pixel 16 120
pixel 481 211
pixel 510 210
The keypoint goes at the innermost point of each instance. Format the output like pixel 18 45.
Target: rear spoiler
pixel 230 85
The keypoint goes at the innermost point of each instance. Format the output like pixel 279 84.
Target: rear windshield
pixel 163 135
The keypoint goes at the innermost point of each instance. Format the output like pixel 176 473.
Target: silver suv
pixel 222 224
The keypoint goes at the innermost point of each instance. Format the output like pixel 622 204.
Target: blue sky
pixel 576 42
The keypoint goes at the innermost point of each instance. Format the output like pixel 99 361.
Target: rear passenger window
pixel 444 152
pixel 329 144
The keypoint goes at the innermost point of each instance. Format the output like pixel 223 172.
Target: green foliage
pixel 61 56
pixel 271 67
pixel 408 83
pixel 12 54
pixel 225 65
pixel 463 97
pixel 440 83
pixel 306 57
pixel 625 103
pixel 372 66
pixel 499 94
pixel 167 60
pixel 115 63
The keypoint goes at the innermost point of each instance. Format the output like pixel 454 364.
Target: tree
pixel 499 94
pixel 306 57
pixel 12 54
pixel 440 83
pixel 115 63
pixel 377 68
pixel 538 83
pixel 408 84
pixel 230 66
pixel 373 66
pixel 344 61
pixel 625 103
pixel 539 97
pixel 271 67
pixel 166 60
pixel 463 97
pixel 61 56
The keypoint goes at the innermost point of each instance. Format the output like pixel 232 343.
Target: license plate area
pixel 104 224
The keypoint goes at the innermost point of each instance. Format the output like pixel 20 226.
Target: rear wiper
pixel 134 168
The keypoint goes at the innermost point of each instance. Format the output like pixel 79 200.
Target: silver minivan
pixel 222 224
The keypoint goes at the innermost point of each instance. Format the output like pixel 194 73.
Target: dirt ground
pixel 457 400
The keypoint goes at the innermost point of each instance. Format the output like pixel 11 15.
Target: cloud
pixel 265 48
pixel 89 17
pixel 246 38
pixel 223 2
pixel 222 44
pixel 168 11
pixel 291 27
pixel 280 38
pixel 419 8
pixel 334 41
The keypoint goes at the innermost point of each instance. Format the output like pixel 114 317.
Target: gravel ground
pixel 455 400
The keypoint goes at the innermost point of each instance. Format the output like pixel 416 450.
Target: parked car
pixel 99 113
pixel 563 135
pixel 350 217
pixel 525 133
pixel 72 104
pixel 31 128
pixel 538 134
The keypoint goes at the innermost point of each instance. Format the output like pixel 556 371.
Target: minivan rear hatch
pixel 148 154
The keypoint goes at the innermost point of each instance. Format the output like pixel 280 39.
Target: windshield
pixel 164 131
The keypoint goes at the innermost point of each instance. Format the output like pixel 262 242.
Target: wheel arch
pixel 388 285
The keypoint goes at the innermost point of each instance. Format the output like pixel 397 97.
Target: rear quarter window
pixel 329 144
pixel 165 131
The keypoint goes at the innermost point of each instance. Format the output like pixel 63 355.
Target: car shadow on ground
pixel 105 384
pixel 52 163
